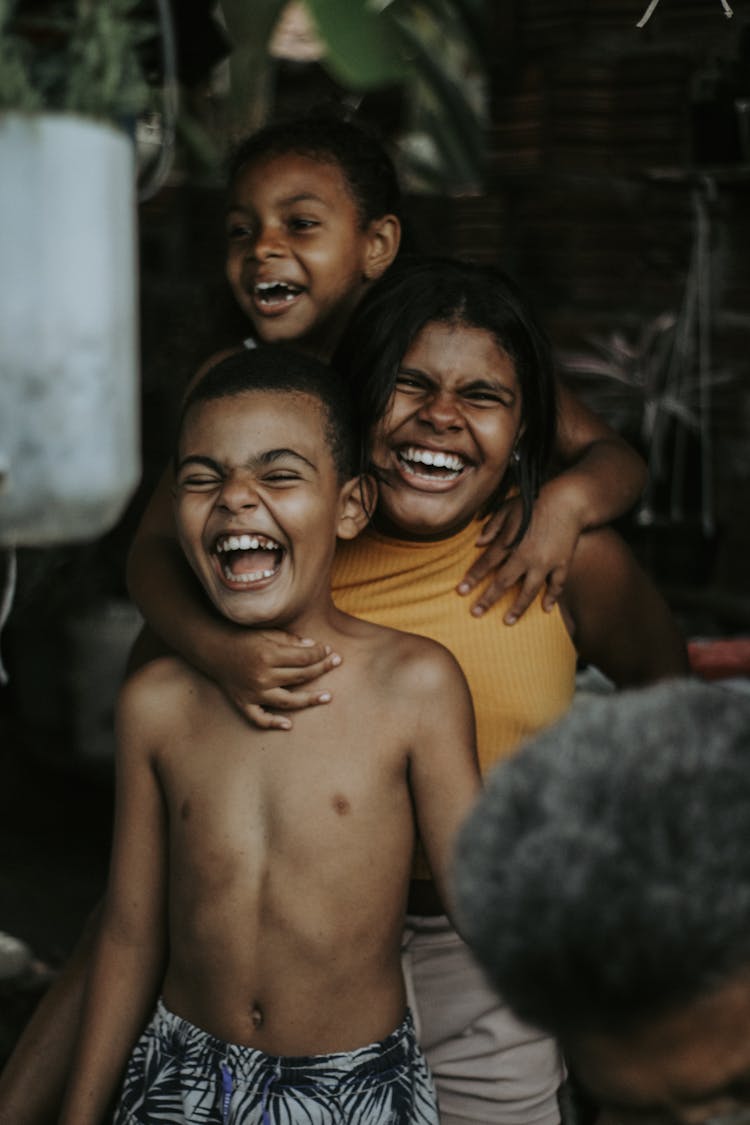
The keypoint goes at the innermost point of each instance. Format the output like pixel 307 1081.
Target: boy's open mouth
pixel 248 558
pixel 275 295
pixel 430 464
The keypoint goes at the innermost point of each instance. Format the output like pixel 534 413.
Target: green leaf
pixel 459 126
pixel 363 49
pixel 249 27
pixel 462 19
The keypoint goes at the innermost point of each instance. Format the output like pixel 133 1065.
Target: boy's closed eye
pixel 205 481
pixel 198 473
pixel 198 482
pixel 282 476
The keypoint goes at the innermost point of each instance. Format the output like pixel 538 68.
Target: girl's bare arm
pixel 619 620
pixel 601 478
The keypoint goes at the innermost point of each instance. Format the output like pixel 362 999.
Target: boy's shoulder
pixel 421 665
pixel 164 690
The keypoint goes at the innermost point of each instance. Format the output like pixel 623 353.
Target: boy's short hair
pixel 358 152
pixel 277 368
pixel 603 877
pixel 417 291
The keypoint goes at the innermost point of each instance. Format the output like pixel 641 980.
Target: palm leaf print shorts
pixel 178 1073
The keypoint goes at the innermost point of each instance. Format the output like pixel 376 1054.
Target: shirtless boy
pixel 261 888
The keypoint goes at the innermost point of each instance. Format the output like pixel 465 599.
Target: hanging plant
pixel 82 59
pixel 16 88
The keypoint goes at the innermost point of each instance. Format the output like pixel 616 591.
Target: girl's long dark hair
pixel 419 291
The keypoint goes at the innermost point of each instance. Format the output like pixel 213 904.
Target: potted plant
pixel 70 90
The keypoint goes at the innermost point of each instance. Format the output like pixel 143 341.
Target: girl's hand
pixel 543 556
pixel 263 667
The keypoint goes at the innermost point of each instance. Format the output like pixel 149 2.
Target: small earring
pixel 515 456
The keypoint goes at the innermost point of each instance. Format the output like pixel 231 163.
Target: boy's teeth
pixel 238 551
pixel 254 576
pixel 247 543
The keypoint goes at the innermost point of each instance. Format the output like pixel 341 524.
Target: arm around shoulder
pixel 603 473
pixel 619 620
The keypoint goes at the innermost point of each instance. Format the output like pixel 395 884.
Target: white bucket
pixel 69 419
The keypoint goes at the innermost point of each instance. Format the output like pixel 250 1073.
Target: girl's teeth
pixel 433 460
pixel 414 457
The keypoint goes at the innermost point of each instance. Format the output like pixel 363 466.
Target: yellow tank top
pixel 521 677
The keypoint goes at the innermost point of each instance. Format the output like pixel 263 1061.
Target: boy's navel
pixel 340 804
pixel 256 1016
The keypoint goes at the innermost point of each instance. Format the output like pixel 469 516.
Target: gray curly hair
pixel 604 875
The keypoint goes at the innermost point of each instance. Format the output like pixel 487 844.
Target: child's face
pixel 298 257
pixel 448 433
pixel 258 504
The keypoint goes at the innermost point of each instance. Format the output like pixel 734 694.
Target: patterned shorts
pixel 178 1073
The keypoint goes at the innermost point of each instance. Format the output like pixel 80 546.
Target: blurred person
pixel 603 881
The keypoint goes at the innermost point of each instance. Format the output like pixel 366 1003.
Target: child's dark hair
pixel 276 368
pixel 420 291
pixel 361 156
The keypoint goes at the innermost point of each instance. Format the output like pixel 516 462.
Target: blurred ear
pixel 356 504
pixel 384 235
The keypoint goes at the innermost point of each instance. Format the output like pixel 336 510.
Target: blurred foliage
pixel 105 77
pixel 86 56
pixel 16 88
pixel 80 58
pixel 433 49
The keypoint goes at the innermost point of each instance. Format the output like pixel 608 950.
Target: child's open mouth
pixel 430 464
pixel 248 558
pixel 273 296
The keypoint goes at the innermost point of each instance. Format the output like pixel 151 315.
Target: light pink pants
pixel 487 1065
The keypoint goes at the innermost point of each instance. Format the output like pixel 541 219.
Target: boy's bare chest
pixel 338 774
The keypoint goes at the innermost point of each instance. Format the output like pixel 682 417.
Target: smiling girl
pixel 456 378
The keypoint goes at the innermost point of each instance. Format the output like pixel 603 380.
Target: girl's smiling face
pixel 445 441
